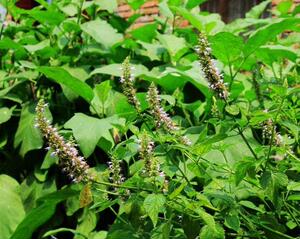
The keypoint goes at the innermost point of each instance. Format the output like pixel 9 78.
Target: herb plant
pixel 157 132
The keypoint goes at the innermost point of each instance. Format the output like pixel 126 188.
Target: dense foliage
pixel 156 132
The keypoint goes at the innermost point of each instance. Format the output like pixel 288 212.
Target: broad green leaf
pixel 176 46
pixel 242 168
pixel 27 135
pixel 162 231
pixel 271 183
pixel 87 224
pixel 41 214
pixel 232 109
pixel 207 233
pixel 263 35
pixel 226 46
pixel 49 17
pixel 63 77
pixel 5 114
pixel 194 19
pixel 102 32
pixel 116 70
pixel 102 91
pixel 208 23
pixel 154 204
pixel 153 51
pixel 11 207
pixel 88 131
pixel 284 6
pixel 270 54
pixel 109 5
pixel 194 3
pixel 121 230
pixel 41 45
pixel 232 221
pixel 145 33
pixel 258 10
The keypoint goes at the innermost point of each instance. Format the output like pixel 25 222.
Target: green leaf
pixel 135 4
pixel 102 91
pixel 5 114
pixel 27 135
pixel 41 214
pixel 102 32
pixel 195 20
pixel 284 6
pixel 232 109
pixel 109 5
pixel 242 169
pixel 270 54
pixel 258 10
pixel 207 233
pixel 154 204
pixel 176 46
pixel 145 33
pixel 153 51
pixel 89 130
pixel 263 35
pixel 232 221
pixel 11 207
pixel 226 46
pixel 116 70
pixel 194 3
pixel 63 77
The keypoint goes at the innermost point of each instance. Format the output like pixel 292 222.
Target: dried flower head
pixel 211 72
pixel 146 147
pixel 161 117
pixel 73 164
pixel 127 81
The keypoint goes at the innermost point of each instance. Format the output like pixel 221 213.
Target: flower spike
pixel 211 72
pixel 73 164
pixel 127 81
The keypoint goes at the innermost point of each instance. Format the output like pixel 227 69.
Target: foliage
pixel 189 165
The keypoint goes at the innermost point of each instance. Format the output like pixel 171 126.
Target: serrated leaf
pixel 154 204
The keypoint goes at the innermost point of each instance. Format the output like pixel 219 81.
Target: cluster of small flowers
pixel 127 80
pixel 161 117
pixel 73 164
pixel 152 166
pixel 116 176
pixel 267 131
pixel 211 72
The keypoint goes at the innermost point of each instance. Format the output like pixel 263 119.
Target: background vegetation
pixel 239 178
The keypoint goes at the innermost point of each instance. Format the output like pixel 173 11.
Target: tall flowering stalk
pixel 115 171
pixel 146 147
pixel 211 72
pixel 161 117
pixel 127 81
pixel 72 164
